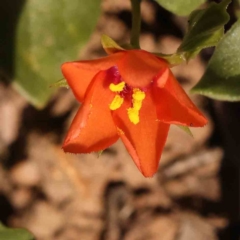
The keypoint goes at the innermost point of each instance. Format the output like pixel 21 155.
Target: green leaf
pixel 222 78
pixel 50 32
pixel 236 8
pixel 14 233
pixel 60 83
pixel 172 59
pixel 180 7
pixel 110 45
pixel 99 153
pixel 185 129
pixel 205 28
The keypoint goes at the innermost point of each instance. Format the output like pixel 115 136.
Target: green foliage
pixel 60 83
pixel 222 78
pixel 236 8
pixel 185 129
pixel 110 45
pixel 205 29
pixel 99 153
pixel 14 234
pixel 49 33
pixel 180 7
pixel 173 59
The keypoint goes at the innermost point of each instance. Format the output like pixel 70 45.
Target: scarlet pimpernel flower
pixel 131 95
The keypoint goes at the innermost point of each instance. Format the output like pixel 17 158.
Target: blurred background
pixel 58 196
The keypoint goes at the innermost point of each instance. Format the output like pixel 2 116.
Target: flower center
pixel 121 89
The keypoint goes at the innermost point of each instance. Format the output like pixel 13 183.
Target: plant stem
pixel 136 23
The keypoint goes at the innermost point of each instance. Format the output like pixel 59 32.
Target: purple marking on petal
pixel 127 90
pixel 114 75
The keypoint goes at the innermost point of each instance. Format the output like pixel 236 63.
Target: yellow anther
pixel 117 87
pixel 133 115
pixel 138 94
pixel 137 105
pixel 116 102
pixel 137 98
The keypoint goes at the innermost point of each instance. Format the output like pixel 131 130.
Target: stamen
pixel 137 105
pixel 138 94
pixel 117 87
pixel 116 102
pixel 133 113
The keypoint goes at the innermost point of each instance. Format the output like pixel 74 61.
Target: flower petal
pixel 79 74
pixel 138 67
pixel 93 128
pixel 145 140
pixel 173 104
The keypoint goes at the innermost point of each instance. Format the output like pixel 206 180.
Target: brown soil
pixel 60 196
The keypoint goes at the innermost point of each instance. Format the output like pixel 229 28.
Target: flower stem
pixel 136 23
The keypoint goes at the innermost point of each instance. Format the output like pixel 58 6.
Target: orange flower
pixel 131 95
